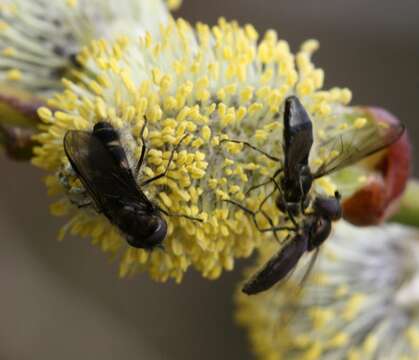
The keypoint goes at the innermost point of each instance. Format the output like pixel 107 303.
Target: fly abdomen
pixel 106 133
pixel 298 134
pixel 278 266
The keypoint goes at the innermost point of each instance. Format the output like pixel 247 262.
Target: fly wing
pixel 291 296
pixel 278 266
pixel 103 176
pixel 354 144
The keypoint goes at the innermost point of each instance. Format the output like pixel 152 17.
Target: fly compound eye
pixel 154 224
pixel 158 231
pixel 328 207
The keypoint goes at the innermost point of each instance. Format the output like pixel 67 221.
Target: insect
pixel 315 229
pixel 296 179
pixel 101 164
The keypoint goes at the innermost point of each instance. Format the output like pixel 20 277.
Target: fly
pixel 315 229
pixel 296 176
pixel 101 164
pixel 295 182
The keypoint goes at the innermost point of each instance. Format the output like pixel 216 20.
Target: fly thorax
pixel 291 190
pixel 306 179
pixel 319 231
pixel 292 208
pixel 105 132
pixel 289 201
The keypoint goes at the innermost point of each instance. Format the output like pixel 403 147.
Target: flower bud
pixel 379 198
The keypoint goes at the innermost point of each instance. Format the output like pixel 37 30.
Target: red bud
pixel 379 198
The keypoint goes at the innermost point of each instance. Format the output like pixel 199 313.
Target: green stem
pixel 408 213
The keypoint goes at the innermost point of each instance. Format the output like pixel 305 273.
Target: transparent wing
pixel 100 172
pixel 292 291
pixel 354 144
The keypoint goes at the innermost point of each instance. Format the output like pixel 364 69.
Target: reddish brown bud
pixel 18 122
pixel 19 108
pixel 17 142
pixel 379 198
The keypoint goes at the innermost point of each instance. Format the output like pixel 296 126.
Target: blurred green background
pixel 64 300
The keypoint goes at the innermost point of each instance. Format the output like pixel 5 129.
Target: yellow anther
pixel 370 344
pixel 206 133
pixel 72 3
pixel 360 123
pixel 320 317
pixel 3 25
pixel 8 51
pixel 339 340
pixel 255 108
pixel 314 352
pixel 353 306
pixel 310 46
pixel 14 75
pixel 166 200
pixel 412 334
pixel 261 135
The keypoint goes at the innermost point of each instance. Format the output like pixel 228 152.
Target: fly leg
pixel 143 149
pixel 271 157
pixel 303 201
pixel 253 215
pixel 279 228
pixel 179 215
pixel 88 203
pixel 267 217
pixel 254 187
pixel 246 210
pixel 83 204
pixel 154 178
pixel 289 214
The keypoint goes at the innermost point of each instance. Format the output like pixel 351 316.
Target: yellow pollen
pixel 370 344
pixel 72 3
pixel 9 51
pixel 3 25
pixel 341 339
pixel 412 334
pixel 353 306
pixel 14 75
pixel 210 84
pixel 360 123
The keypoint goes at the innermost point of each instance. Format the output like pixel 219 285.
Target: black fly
pixel 315 229
pixel 101 164
pixel 296 179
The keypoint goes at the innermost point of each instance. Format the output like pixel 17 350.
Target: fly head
pixel 328 207
pixel 142 230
